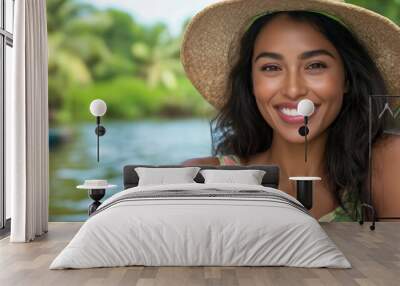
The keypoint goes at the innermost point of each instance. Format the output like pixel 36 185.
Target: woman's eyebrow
pixel 303 56
pixel 310 54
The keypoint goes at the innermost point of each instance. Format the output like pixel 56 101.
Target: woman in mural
pixel 255 60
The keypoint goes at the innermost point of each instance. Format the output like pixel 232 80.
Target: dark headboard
pixel 270 179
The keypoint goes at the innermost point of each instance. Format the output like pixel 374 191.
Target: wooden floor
pixel 375 256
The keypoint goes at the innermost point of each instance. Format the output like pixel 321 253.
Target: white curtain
pixel 27 124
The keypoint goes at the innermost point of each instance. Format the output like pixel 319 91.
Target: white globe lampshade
pixel 98 107
pixel 305 107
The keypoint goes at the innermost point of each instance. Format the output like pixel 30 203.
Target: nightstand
pixel 305 190
pixel 96 191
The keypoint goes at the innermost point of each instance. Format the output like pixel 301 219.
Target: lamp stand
pixel 100 131
pixel 305 137
pixel 369 205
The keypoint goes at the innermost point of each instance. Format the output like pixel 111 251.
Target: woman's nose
pixel 294 86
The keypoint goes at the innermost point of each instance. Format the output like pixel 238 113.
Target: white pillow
pixel 249 177
pixel 161 176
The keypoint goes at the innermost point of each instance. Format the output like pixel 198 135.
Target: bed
pixel 201 223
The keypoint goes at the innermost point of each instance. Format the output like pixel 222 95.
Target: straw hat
pixel 212 39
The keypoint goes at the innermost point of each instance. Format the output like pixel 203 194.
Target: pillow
pixel 249 177
pixel 161 176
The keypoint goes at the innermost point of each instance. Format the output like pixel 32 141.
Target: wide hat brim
pixel 212 39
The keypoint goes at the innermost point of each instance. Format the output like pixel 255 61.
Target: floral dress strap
pixel 338 214
pixel 228 160
pixel 352 212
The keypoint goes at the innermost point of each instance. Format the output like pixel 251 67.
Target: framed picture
pixel 387 117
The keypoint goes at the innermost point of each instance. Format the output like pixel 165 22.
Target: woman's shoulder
pixel 387 146
pixel 218 160
pixel 201 161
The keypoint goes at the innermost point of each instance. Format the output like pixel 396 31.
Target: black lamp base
pixel 96 195
pixel 305 193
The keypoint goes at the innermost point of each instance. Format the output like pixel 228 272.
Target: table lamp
pixel 98 108
pixel 305 184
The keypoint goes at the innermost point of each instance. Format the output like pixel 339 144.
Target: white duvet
pixel 205 231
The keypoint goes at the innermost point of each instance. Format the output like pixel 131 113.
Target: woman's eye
pixel 316 66
pixel 270 68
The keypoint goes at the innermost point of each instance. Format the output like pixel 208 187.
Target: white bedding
pixel 182 231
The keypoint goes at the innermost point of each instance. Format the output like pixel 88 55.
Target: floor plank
pixel 374 255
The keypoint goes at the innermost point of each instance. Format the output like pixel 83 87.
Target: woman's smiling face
pixel 293 61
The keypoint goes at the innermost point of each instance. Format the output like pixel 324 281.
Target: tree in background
pixel 158 56
pixel 65 66
pixel 389 8
pixel 136 68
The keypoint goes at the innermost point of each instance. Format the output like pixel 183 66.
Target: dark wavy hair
pixel 240 129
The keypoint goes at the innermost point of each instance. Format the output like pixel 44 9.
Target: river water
pixel 125 143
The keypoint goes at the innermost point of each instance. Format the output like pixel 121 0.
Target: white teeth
pixel 288 111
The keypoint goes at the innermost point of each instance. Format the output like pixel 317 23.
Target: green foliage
pixel 105 54
pixel 135 68
pixel 131 98
pixel 158 57
pixel 388 8
pixel 119 36
pixel 61 12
